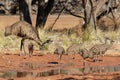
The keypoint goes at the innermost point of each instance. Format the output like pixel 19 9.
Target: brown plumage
pixel 25 31
pixel 74 48
pixel 84 53
pixel 100 49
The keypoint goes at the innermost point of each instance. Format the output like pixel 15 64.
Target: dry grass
pixel 12 43
pixel 8 43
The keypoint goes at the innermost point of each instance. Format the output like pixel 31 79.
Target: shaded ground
pixel 48 67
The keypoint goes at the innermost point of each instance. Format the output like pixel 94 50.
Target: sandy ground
pixel 63 21
pixel 41 63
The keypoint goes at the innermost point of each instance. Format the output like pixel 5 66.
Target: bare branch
pixel 56 19
pixel 73 14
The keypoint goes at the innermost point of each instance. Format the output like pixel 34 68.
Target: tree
pixel 94 10
pixel 43 12
pixel 44 9
pixel 25 10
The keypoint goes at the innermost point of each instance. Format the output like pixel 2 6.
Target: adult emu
pixel 25 31
pixel 30 49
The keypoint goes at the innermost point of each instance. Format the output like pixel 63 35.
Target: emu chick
pixel 74 48
pixel 59 51
pixel 86 54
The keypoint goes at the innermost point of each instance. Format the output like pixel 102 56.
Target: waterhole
pixel 76 71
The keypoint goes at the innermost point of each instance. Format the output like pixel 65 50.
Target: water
pixel 76 71
pixel 18 74
pixel 28 65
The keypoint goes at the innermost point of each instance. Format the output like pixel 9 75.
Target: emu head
pixel 47 42
pixel 8 31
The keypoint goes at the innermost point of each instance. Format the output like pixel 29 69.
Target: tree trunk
pixel 40 14
pixel 43 12
pixel 48 9
pixel 24 11
pixel 29 2
pixel 7 6
pixel 88 18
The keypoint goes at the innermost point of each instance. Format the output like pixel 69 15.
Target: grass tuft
pixel 90 37
pixel 9 43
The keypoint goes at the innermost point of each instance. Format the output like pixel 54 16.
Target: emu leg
pixel 74 55
pixel 98 58
pixel 30 52
pixel 60 56
pixel 21 48
pixel 24 49
pixel 22 45
pixel 94 58
pixel 84 63
pixel 101 56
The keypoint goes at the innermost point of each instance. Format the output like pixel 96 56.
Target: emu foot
pixel 30 55
pixel 20 54
pixel 25 55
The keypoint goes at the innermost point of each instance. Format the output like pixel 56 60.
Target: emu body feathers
pixel 25 31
